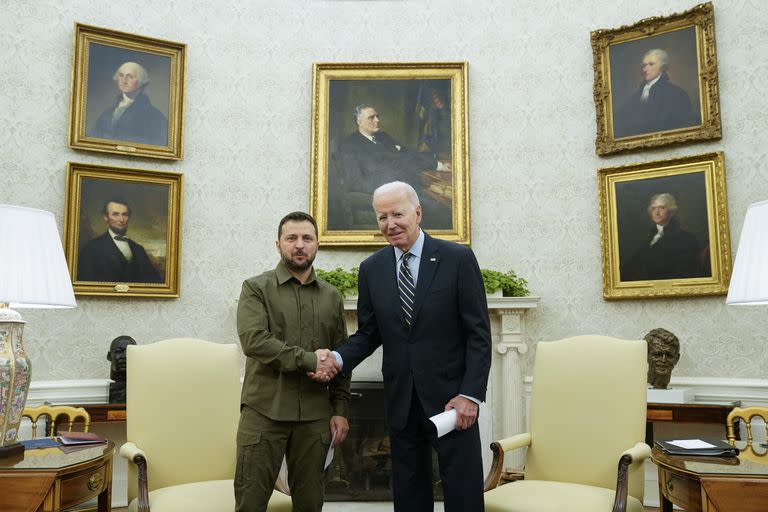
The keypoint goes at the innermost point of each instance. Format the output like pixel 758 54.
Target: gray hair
pixel 359 110
pixel 392 186
pixel 661 55
pixel 141 73
pixel 666 198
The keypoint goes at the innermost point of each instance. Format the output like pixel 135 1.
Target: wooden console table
pixel 713 412
pixel 709 484
pixel 49 480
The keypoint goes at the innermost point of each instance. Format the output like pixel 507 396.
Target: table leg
pixel 664 504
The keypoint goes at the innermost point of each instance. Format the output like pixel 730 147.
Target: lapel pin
pixel 432 259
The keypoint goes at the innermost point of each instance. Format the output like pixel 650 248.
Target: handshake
pixel 327 367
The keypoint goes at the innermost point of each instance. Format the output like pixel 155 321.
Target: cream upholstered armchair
pixel 587 417
pixel 183 408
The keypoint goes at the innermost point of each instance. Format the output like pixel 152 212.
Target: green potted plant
pixel 507 283
pixel 343 280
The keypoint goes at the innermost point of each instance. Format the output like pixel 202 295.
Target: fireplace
pixel 362 466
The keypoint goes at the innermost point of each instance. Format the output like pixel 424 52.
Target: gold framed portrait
pixel 664 228
pixel 383 122
pixel 656 82
pixel 123 231
pixel 127 94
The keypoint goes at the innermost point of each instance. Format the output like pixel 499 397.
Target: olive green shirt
pixel 281 323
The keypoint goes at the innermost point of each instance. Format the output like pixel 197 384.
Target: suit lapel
pixel 390 277
pixel 430 259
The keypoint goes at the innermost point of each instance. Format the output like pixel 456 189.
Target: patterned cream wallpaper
pixel 533 165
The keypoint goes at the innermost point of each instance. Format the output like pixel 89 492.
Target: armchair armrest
pixel 134 454
pixel 634 455
pixel 499 448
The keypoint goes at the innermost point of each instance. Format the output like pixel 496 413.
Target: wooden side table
pixel 50 480
pixel 709 484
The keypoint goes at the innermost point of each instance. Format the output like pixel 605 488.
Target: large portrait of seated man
pixel 374 123
pixel 369 157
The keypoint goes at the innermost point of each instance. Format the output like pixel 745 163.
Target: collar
pixel 369 137
pixel 112 235
pixel 653 82
pixel 416 249
pixel 284 275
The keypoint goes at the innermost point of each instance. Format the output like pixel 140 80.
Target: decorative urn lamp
pixel 33 274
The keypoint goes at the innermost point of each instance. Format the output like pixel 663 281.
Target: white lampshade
pixel 749 281
pixel 33 271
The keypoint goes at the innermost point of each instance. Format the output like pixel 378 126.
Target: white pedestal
pixel 670 396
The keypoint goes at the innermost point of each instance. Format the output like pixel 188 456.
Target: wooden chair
pixel 183 410
pixel 54 415
pixel 746 414
pixel 587 425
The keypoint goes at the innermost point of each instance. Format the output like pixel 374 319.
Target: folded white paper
pixel 329 455
pixel 691 444
pixel 444 422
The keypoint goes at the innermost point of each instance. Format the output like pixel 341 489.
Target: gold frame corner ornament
pixel 84 36
pixel 702 18
pixel 323 74
pixel 711 166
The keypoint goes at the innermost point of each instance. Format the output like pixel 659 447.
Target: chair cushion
pixel 211 496
pixel 543 496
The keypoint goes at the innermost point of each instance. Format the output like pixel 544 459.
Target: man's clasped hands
pixel 327 366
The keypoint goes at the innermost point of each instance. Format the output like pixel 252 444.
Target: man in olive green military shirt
pixel 284 317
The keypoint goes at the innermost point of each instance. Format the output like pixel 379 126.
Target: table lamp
pixel 33 274
pixel 749 280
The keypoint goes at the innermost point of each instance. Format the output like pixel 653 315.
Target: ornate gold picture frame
pixel 664 228
pixel 127 94
pixel 656 82
pixel 123 231
pixel 376 123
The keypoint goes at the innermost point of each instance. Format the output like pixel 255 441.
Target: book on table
pixel 708 448
pixel 74 438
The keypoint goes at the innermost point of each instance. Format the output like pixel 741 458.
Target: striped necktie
pixel 407 289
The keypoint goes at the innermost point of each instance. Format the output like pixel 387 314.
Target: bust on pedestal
pixel 117 373
pixel 663 355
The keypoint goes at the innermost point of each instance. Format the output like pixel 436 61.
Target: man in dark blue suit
pixel 437 352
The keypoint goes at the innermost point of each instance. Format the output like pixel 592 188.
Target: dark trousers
pixel 459 458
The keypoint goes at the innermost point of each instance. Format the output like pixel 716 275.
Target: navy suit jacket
pixel 447 349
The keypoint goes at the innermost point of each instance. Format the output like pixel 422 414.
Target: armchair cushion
pixel 199 497
pixel 543 496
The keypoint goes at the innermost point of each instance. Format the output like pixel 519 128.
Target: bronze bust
pixel 663 355
pixel 117 373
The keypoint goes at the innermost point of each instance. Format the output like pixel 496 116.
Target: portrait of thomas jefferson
pixel 127 97
pixel 654 84
pixel 662 226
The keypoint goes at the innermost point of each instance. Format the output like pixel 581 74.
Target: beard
pixel 297 267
